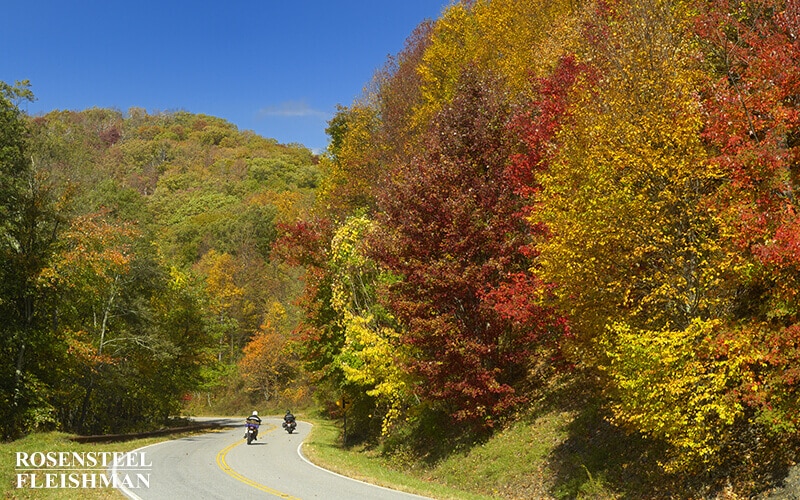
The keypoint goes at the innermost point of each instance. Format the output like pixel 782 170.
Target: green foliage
pixel 283 172
pixel 351 167
pixel 13 160
pixel 29 220
pixel 106 221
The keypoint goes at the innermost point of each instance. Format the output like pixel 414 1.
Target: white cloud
pixel 293 109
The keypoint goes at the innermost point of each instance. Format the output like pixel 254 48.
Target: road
pixel 220 464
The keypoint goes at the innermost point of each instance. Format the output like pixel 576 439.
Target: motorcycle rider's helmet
pixel 255 413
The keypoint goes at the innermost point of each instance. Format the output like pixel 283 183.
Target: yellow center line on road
pixel 229 471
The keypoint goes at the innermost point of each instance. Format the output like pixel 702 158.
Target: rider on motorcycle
pixel 288 418
pixel 254 419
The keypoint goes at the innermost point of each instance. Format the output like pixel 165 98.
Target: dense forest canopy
pixel 529 191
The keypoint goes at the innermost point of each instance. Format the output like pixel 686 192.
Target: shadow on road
pixel 194 424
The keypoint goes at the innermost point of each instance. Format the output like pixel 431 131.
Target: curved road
pixel 220 464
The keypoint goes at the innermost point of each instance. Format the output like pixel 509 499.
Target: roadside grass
pixel 324 449
pixel 513 463
pixel 560 448
pixel 527 460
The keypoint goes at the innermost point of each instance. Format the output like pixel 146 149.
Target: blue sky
pixel 278 68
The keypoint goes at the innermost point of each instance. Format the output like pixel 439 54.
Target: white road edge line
pixel 124 490
pixel 309 462
pixel 133 496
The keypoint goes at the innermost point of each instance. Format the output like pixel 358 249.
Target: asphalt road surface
pixel 220 464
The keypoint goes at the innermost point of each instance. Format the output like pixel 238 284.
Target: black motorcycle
pixel 290 426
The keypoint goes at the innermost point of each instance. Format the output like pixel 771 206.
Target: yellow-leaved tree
pixel 633 245
pixel 268 365
pixel 514 40
pixel 226 298
pixel 523 39
pixel 372 357
pixel 350 167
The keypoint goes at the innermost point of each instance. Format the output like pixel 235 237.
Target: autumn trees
pixel 444 253
pixel 725 376
pixel 449 227
pixel 753 53
pixel 608 186
pixel 632 244
pixel 647 205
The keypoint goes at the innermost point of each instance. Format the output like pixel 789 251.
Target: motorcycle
pixel 290 426
pixel 252 430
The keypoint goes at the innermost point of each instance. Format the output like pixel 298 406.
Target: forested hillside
pixel 136 264
pixel 601 192
pixel 580 207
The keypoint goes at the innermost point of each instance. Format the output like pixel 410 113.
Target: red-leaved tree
pixel 753 127
pixel 450 227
